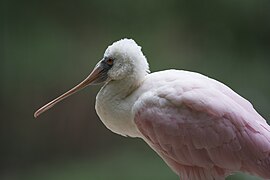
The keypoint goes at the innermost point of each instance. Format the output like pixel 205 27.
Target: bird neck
pixel 124 87
pixel 114 103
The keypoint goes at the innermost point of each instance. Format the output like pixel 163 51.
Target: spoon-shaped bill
pixel 98 75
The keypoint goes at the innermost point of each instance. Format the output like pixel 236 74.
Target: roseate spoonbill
pixel 200 127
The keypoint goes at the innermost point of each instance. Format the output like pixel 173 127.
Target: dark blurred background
pixel 49 46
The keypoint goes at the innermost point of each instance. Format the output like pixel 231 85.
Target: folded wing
pixel 203 133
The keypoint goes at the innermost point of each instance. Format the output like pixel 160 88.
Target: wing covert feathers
pixel 203 133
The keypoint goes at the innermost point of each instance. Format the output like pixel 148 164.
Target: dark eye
pixel 109 61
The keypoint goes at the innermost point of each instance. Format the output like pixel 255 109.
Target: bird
pixel 200 127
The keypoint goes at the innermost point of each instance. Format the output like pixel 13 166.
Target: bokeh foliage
pixel 49 46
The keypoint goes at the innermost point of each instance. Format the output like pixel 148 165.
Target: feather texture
pixel 202 129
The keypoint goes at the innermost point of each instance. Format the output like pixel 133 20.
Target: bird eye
pixel 110 61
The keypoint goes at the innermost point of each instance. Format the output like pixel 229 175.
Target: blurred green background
pixel 49 46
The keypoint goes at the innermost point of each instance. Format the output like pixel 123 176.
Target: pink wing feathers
pixel 203 133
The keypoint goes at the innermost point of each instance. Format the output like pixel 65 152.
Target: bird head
pixel 123 59
pixel 127 60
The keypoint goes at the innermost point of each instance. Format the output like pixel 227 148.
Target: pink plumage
pixel 201 128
